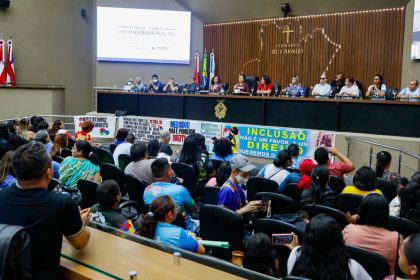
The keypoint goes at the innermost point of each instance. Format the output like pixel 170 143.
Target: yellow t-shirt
pixel 355 190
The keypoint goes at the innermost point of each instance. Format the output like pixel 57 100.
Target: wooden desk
pixel 119 256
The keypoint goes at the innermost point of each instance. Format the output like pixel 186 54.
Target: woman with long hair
pixel 24 129
pixel 60 146
pixel 222 174
pixel 156 224
pixel 83 164
pixel 276 171
pixel 378 88
pixel 383 162
pixel 322 255
pixel 4 139
pixel 7 178
pixel 295 89
pixel 410 202
pixel 409 257
pixel 319 192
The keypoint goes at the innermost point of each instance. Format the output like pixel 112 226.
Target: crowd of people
pixel 28 147
pixel 338 87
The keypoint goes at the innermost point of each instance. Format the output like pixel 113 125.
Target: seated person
pixel 141 166
pixel 319 192
pixel 302 178
pixel 337 84
pixel 82 164
pixel 83 134
pixel 322 89
pixel 383 163
pixel 171 86
pixel 410 202
pixel 222 150
pixel 138 85
pixel 276 171
pixel 106 210
pixel 242 85
pixel 191 86
pixel 43 137
pixel 364 181
pixel 338 169
pixel 232 195
pixel 129 84
pixel 162 171
pixel 154 84
pixel 216 86
pixel 165 138
pixel 46 215
pixel 124 148
pixel 156 224
pixel 260 256
pixel 349 89
pixel 222 174
pixel 60 146
pixel 24 129
pixel 412 91
pixel 295 89
pixel 366 229
pixel 409 258
pixel 7 179
pixel 294 150
pixel 265 87
pixel 378 88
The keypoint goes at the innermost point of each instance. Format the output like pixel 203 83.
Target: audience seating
pixel 405 226
pixel 280 204
pixel 111 172
pixel 88 190
pixel 216 163
pixel 129 213
pixel 188 174
pixel 210 195
pixel 57 159
pixel 53 183
pixel 135 188
pixel 339 216
pixel 375 265
pixel 293 192
pixel 103 155
pixel 221 224
pixel 112 147
pixel 269 227
pixel 348 202
pixel 388 189
pixel 259 184
pixel 123 161
pixel 294 278
pixel 336 184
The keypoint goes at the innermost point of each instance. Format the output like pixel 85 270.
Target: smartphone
pixel 281 238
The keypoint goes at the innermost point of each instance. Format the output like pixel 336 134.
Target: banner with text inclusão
pixel 266 142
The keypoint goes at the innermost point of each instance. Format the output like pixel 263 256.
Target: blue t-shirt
pixel 231 196
pixel 175 236
pixel 226 158
pixel 412 94
pixel 291 178
pixel 179 194
pixel 7 182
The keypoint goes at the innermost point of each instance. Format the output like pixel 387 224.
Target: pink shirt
pixel 339 169
pixel 376 239
pixel 212 182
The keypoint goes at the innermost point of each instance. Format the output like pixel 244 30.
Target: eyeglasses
pixel 412 84
pixel 322 78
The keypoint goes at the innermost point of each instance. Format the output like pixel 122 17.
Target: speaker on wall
pixel 4 3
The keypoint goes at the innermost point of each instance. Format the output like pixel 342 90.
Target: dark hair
pixel 159 207
pixel 4 132
pixel 293 149
pixel 283 157
pixel 30 161
pixel 24 122
pixel 410 202
pixel 121 134
pixel 243 76
pixel 320 177
pixel 223 173
pixel 155 76
pixel 41 126
pixel 85 148
pixel 222 148
pixel 411 249
pixel 321 155
pixel 11 126
pixel 323 255
pixel 190 150
pixel 373 210
pixel 107 193
pixel 212 79
pixel 260 256
pixel 130 138
pixel 234 130
pixel 16 141
pixel 416 177
pixel 55 127
pixel 381 80
pixel 365 179
pixel 6 165
pixel 201 140
pixel 266 79
pixel 153 148
pixel 383 158
pixel 35 121
pixel 159 167
pixel 138 151
pixel 351 79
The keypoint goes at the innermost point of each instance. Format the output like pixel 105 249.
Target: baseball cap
pixel 242 163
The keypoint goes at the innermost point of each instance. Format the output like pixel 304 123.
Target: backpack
pixel 15 258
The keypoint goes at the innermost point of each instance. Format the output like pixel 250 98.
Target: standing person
pixel 337 84
pixel 165 138
pixel 265 87
pixel 412 91
pixel 46 215
pixel 322 89
pixel 124 148
pixel 378 88
pixel 216 85
pixel 338 169
pixel 383 163
pixel 154 84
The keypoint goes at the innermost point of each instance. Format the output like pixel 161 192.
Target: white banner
pixel 104 125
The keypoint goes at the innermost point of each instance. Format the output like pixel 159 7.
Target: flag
pixel 197 68
pixel 212 67
pixel 204 71
pixel 3 69
pixel 11 78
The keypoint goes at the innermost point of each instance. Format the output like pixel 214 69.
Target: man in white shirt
pixel 412 91
pixel 124 148
pixel 322 89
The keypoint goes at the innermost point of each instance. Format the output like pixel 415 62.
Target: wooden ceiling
pixel 215 11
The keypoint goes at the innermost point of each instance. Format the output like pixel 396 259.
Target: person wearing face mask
pixel 232 195
pixel 154 84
